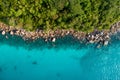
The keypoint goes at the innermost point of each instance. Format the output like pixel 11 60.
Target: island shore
pixel 102 37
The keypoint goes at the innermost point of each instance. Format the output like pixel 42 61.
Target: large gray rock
pixel 3 32
pixel 105 43
pixel 11 33
pixel 54 39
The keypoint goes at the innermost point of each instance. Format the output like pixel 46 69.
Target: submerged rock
pixel 98 46
pixel 91 41
pixel 34 62
pixel 6 37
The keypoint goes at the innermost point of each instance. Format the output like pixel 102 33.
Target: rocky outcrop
pixel 101 37
pixel 115 28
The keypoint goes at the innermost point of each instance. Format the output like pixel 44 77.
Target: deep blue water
pixel 67 59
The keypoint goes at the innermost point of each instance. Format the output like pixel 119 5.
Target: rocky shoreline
pixel 100 37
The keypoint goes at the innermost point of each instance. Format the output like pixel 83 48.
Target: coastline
pixel 100 37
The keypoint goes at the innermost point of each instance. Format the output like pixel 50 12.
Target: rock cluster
pixel 48 36
pixel 101 37
pixel 115 28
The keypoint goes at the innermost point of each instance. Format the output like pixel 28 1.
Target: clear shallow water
pixel 72 62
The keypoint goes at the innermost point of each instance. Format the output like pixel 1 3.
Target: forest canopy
pixel 83 15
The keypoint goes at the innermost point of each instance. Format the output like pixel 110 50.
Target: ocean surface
pixel 66 59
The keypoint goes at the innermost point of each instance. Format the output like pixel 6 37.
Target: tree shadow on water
pixel 62 42
pixel 100 64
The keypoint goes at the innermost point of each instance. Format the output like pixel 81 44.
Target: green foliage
pixel 85 15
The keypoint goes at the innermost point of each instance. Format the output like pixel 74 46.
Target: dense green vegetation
pixel 84 15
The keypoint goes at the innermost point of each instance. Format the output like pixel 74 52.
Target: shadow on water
pixel 62 42
pixel 96 64
pixel 103 63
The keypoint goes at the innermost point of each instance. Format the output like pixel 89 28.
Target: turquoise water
pixel 63 60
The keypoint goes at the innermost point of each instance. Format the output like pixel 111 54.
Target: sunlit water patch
pixel 20 60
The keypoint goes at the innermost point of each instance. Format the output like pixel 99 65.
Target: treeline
pixel 84 15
